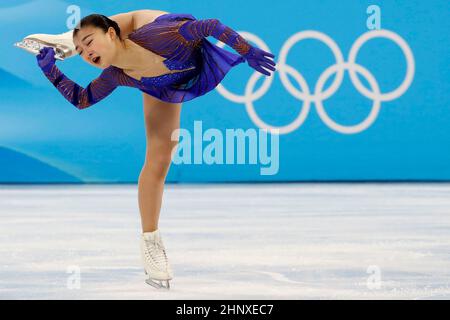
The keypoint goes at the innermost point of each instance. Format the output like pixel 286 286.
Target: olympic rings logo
pixel 319 95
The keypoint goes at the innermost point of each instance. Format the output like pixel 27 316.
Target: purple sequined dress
pixel 179 38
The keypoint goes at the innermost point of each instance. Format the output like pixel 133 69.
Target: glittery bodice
pixel 164 40
pixel 162 37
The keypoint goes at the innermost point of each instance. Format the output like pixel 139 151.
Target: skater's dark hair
pixel 99 21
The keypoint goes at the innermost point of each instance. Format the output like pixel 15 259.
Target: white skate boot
pixel 156 264
pixel 61 43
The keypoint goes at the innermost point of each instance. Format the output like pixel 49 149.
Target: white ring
pixel 303 35
pixel 375 107
pixel 409 64
pixel 273 129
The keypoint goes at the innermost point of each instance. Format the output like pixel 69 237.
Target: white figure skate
pixel 61 43
pixel 156 264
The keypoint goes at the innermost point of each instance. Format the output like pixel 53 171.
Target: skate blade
pixel 34 46
pixel 159 285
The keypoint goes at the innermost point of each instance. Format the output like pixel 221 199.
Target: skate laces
pixel 156 251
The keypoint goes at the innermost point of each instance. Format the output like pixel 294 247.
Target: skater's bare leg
pixel 161 119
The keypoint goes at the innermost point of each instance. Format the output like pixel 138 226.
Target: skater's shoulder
pixel 130 21
pixel 142 18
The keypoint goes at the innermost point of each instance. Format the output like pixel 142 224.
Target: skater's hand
pixel 258 58
pixel 46 58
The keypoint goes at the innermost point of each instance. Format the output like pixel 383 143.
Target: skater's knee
pixel 157 166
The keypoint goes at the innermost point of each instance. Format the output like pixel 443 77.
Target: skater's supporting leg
pixel 161 119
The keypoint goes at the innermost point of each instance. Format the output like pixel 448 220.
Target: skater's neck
pixel 127 56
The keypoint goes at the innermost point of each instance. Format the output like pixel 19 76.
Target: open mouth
pixel 96 60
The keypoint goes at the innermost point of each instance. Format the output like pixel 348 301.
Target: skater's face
pixel 95 46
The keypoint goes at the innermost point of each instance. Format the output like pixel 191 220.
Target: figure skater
pixel 168 58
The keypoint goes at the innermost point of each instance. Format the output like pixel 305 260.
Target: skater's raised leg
pixel 62 44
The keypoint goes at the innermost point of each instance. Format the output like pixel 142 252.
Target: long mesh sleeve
pixel 81 97
pixel 198 29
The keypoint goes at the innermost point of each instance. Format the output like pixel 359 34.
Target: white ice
pixel 229 241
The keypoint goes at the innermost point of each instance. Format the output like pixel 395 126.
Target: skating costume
pixel 181 40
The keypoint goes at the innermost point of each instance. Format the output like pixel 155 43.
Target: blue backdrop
pixel 396 129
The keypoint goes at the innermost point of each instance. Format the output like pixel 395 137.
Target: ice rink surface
pixel 229 241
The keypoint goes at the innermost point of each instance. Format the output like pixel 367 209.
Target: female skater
pixel 168 58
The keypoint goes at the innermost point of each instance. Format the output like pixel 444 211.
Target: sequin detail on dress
pixel 181 39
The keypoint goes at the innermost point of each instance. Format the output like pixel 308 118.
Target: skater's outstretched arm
pixel 80 97
pixel 256 58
